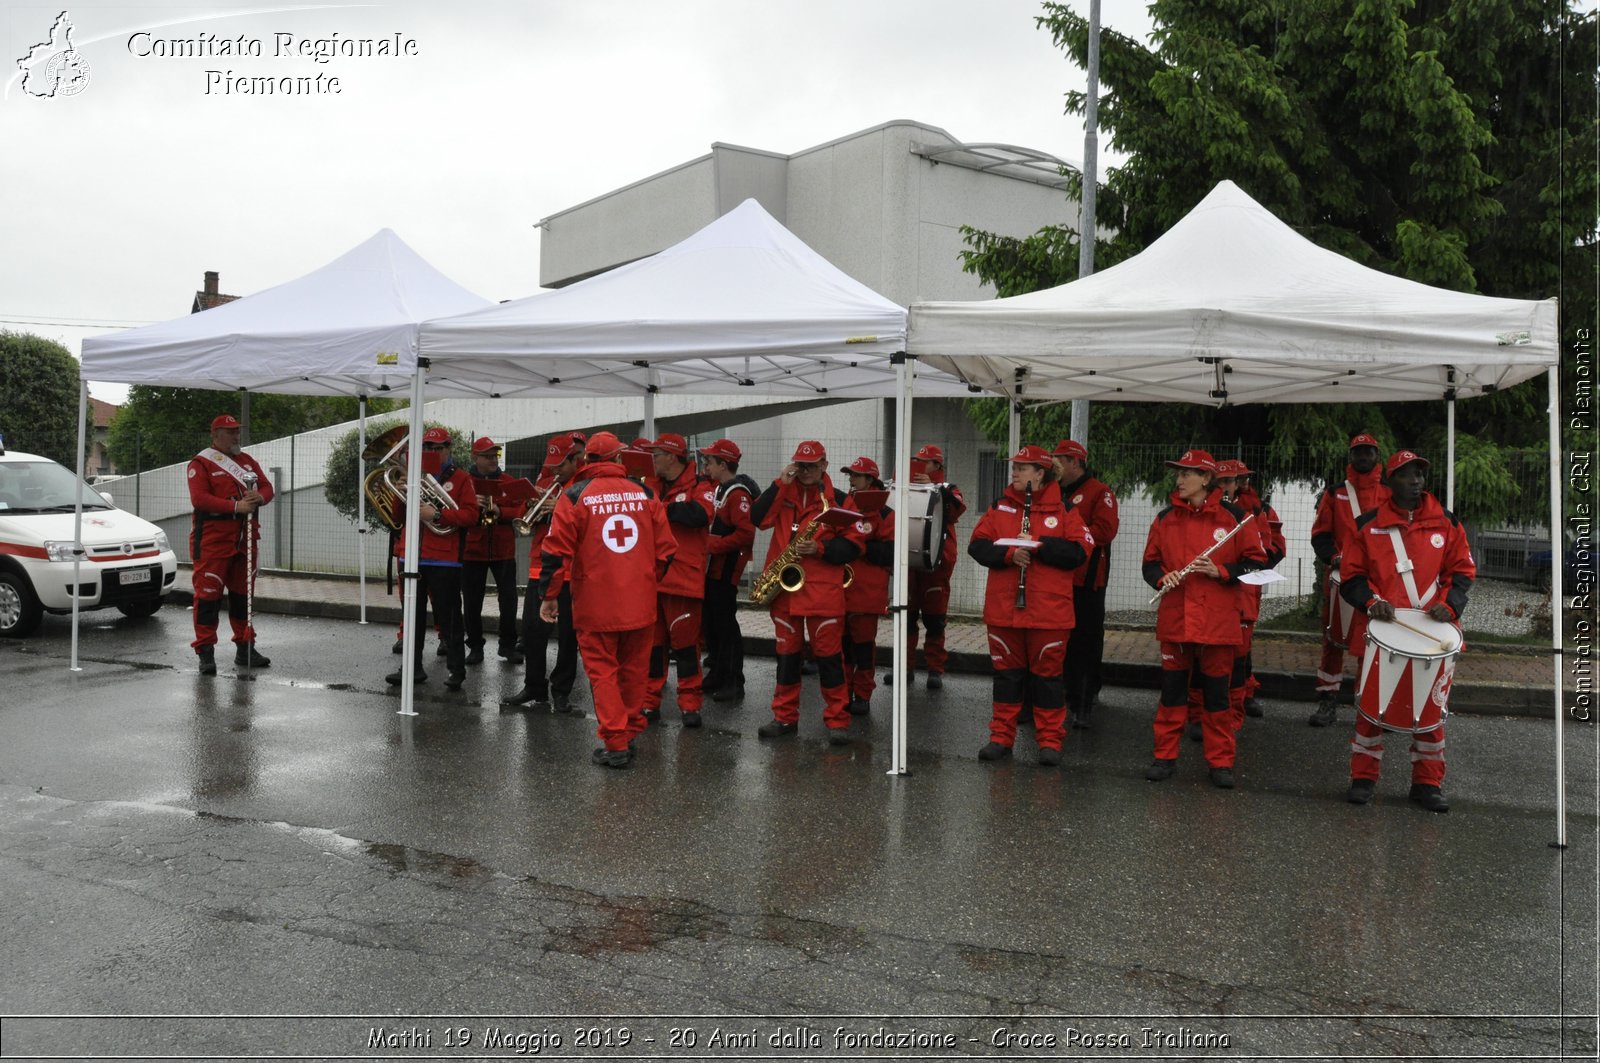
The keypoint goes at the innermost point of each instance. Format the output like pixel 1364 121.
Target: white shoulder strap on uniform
pixel 1355 503
pixel 226 463
pixel 1404 566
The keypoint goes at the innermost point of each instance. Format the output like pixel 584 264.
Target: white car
pixel 127 562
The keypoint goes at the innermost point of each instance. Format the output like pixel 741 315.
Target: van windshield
pixel 43 487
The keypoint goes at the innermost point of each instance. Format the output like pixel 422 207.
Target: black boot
pixel 248 654
pixel 208 660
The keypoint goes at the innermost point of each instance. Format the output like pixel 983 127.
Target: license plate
pixel 133 575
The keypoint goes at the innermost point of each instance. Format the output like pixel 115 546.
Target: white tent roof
pixel 741 307
pixel 345 329
pixel 1232 306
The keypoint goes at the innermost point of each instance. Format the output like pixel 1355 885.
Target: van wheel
pixel 19 609
pixel 142 608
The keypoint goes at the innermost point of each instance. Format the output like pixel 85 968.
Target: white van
pixel 128 562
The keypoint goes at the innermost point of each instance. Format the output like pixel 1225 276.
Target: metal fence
pixel 303 532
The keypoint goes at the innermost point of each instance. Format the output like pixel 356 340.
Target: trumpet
pixel 385 486
pixel 540 511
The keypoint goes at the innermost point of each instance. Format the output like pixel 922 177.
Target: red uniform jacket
pixel 1065 544
pixel 786 509
pixel 949 543
pixel 1269 531
pixel 1200 609
pixel 536 542
pixel 610 536
pixel 215 530
pixel 869 590
pixel 1335 523
pixel 733 533
pixel 446 549
pixel 1435 543
pixel 1097 505
pixel 498 541
pixel 689 502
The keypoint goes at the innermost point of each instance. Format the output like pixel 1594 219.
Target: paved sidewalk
pixel 1494 679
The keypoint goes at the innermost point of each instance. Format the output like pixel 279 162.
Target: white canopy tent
pixel 348 328
pixel 741 307
pixel 1231 306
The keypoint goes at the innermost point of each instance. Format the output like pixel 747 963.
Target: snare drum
pixel 1338 615
pixel 925 524
pixel 1406 671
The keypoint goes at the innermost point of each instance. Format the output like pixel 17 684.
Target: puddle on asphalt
pixel 400 858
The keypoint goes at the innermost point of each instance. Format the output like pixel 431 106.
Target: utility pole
pixel 1079 429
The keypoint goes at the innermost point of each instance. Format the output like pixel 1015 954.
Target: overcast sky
pixel 116 199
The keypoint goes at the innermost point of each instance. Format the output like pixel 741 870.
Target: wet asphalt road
pixel 178 845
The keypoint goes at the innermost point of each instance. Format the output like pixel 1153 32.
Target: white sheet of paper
pixel 1020 544
pixel 1262 576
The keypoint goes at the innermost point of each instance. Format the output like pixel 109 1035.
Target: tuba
pixel 541 511
pixel 385 485
pixel 784 573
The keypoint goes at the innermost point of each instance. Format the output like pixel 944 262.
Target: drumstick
pixel 1443 647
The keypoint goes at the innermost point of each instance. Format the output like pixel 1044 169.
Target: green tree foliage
pixel 39 397
pixel 164 426
pixel 340 481
pixel 1450 142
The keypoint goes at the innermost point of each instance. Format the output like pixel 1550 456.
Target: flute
pixel 1025 533
pixel 1190 567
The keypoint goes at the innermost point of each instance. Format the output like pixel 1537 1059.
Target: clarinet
pixel 1026 530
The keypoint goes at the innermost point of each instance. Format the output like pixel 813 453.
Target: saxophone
pixel 783 573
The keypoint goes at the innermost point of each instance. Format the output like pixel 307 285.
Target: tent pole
pixel 1014 436
pixel 408 576
pixel 649 415
pixel 904 386
pixel 1450 452
pixel 77 517
pixel 361 510
pixel 1079 425
pixel 1557 602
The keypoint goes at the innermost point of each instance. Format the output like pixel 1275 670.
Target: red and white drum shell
pixel 1338 615
pixel 924 524
pixel 1406 671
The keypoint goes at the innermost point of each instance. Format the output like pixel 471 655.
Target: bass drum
pixel 925 525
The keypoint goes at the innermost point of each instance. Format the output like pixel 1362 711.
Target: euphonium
pixel 540 511
pixel 784 572
pixel 385 485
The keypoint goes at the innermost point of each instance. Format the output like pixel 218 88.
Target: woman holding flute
pixel 1194 557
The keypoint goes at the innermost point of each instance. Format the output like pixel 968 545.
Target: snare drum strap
pixel 1355 503
pixel 1404 566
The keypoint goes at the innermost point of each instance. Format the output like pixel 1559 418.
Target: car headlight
pixel 163 544
pixel 59 551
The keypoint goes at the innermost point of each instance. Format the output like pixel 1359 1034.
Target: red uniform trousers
pixel 1330 670
pixel 617 663
pixel 1178 660
pixel 825 635
pixel 928 601
pixel 860 674
pixel 213 575
pixel 1238 681
pixel 1427 753
pixel 677 631
pixel 1028 663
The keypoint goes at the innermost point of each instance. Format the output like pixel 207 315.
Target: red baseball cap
pixel 1362 439
pixel 1071 448
pixel 1232 467
pixel 603 445
pixel 224 420
pixel 864 466
pixel 1032 455
pixel 1403 457
pixel 931 452
pixel 670 442
pixel 485 445
pixel 726 449
pixel 811 451
pixel 436 435
pixel 560 448
pixel 1195 459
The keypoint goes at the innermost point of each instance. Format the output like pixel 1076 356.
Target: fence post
pixel 291 502
pixel 138 470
